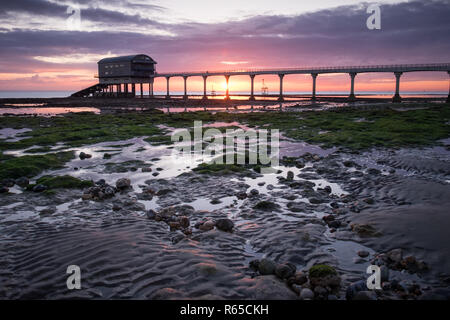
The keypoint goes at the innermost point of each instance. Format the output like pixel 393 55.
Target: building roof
pixel 127 58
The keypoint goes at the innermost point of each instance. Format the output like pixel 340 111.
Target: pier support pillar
pixel 227 93
pixel 252 88
pixel 151 84
pixel 397 97
pixel 125 87
pixel 351 97
pixel 167 87
pixel 314 77
pixel 281 98
pixel 118 90
pixel 205 96
pixel 448 98
pixel 142 89
pixel 185 96
pixel 133 90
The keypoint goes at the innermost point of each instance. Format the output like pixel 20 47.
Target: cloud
pixel 412 32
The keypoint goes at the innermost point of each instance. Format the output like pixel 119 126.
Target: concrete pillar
pixel 185 96
pixel 151 84
pixel 133 89
pixel 351 97
pixel 167 87
pixel 448 98
pixel 205 97
pixel 125 86
pixel 397 97
pixel 227 93
pixel 142 89
pixel 252 88
pixel 314 77
pixel 281 98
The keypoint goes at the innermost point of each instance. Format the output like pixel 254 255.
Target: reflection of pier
pixel 116 74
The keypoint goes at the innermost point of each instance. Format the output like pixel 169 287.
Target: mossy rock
pixel 62 182
pixel 321 270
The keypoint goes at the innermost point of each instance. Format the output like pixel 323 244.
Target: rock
pixel 22 182
pixel 254 264
pixel 354 288
pixel 369 201
pixel 364 230
pixel 395 255
pixel 284 271
pixel 327 189
pixel 306 294
pixel 373 171
pixel 101 182
pixel 85 155
pixel 225 225
pixel 332 297
pixel 86 196
pixel 9 183
pixel 146 169
pixel 299 278
pixel 365 295
pixel 184 221
pixel 174 225
pixel 349 163
pixel 39 188
pixel 270 288
pixel 206 226
pixel 296 288
pixel 4 189
pixel 363 254
pixel 254 192
pixel 123 183
pixel 241 195
pixel 116 207
pixel 266 266
pixel 155 174
pixel 324 276
pixel 320 291
pixel 107 156
pixel 163 192
pixel 290 176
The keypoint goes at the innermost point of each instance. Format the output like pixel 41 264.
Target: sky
pixel 44 46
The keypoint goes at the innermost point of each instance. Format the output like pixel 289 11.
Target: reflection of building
pixel 264 89
pixel 126 69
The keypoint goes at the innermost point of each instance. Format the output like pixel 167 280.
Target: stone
pixel 86 196
pixel 363 254
pixel 354 288
pixel 107 156
pixel 225 225
pixel 327 189
pixel 332 297
pixel 206 226
pixel 270 288
pixel 151 214
pixel 84 155
pixel 184 221
pixel 8 183
pixel 373 171
pixel 241 195
pixel 22 182
pixel 123 183
pixel 49 210
pixel 146 169
pixel 254 264
pixel 320 291
pixel 290 176
pixel 4 189
pixel 155 174
pixel 396 255
pixel 174 225
pixel 306 294
pixel 116 207
pixel 284 271
pixel 254 192
pixel 298 278
pixel 39 188
pixel 177 237
pixel 266 266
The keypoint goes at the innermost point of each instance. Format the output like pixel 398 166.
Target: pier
pixel 119 85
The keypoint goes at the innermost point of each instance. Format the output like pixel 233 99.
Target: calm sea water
pixel 62 94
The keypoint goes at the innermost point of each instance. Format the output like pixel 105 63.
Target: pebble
pixel 123 183
pixel 306 294
pixel 363 254
pixel 206 226
pixel 266 266
pixel 85 155
pixel 225 225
